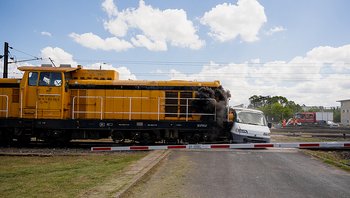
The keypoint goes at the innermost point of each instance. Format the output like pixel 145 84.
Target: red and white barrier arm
pixel 300 145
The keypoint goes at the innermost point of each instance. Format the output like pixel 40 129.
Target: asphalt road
pixel 243 173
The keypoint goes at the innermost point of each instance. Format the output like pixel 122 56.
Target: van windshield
pixel 253 118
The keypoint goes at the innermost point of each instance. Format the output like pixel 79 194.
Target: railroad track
pixel 87 144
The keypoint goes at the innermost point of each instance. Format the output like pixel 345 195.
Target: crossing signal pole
pixel 6 59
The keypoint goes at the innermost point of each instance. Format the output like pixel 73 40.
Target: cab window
pixel 50 79
pixel 33 78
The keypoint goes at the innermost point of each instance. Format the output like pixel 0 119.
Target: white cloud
pixel 228 21
pixel 117 26
pixel 337 57
pixel 93 41
pixel 318 78
pixel 12 71
pixel 110 8
pixel 46 33
pixel 58 55
pixel 143 41
pixel 155 29
pixel 125 74
pixel 158 27
pixel 275 30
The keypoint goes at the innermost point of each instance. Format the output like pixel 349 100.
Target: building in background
pixel 317 108
pixel 345 112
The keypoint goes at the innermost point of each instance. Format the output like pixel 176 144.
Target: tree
pixel 336 114
pixel 294 107
pixel 255 102
pixel 276 108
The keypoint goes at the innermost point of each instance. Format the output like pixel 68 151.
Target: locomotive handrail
pixel 7 105
pixel 130 112
pixel 101 106
pixel 187 105
pixel 36 104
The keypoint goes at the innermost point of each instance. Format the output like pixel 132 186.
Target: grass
pixel 59 176
pixel 339 159
pixel 283 138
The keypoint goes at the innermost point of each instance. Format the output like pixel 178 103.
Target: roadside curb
pixel 141 168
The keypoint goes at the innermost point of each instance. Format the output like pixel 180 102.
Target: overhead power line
pixel 207 63
pixel 35 57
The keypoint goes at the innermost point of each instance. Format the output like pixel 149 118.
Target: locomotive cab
pixel 44 92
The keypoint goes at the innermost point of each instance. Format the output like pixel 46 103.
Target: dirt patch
pixel 123 180
pixel 163 181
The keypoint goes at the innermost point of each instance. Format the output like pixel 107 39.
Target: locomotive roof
pixel 146 83
pixel 121 82
pixel 36 68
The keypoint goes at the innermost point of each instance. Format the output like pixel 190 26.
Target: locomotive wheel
pixel 5 138
pixel 195 138
pixel 118 137
pixel 57 138
pixel 22 136
pixel 23 140
pixel 146 138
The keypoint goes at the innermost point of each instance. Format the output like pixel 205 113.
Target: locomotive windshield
pixel 33 78
pixel 50 79
pixel 254 118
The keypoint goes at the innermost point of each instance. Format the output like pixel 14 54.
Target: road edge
pixel 148 163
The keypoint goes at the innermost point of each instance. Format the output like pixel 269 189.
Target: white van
pixel 250 126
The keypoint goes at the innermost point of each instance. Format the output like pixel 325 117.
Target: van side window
pixel 50 79
pixel 33 78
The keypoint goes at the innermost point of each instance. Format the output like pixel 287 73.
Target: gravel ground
pixel 166 180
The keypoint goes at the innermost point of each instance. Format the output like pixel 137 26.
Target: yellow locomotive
pixel 65 103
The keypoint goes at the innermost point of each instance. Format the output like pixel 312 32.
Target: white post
pixel 73 107
pixel 158 108
pixel 21 103
pixel 130 108
pixel 36 109
pixel 7 106
pixel 186 109
pixel 101 107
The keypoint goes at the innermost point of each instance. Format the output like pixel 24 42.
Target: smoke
pixel 212 101
pixel 204 104
pixel 222 95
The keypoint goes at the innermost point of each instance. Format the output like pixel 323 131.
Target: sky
pixel 293 48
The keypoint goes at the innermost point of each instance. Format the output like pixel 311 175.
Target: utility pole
pixel 6 61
